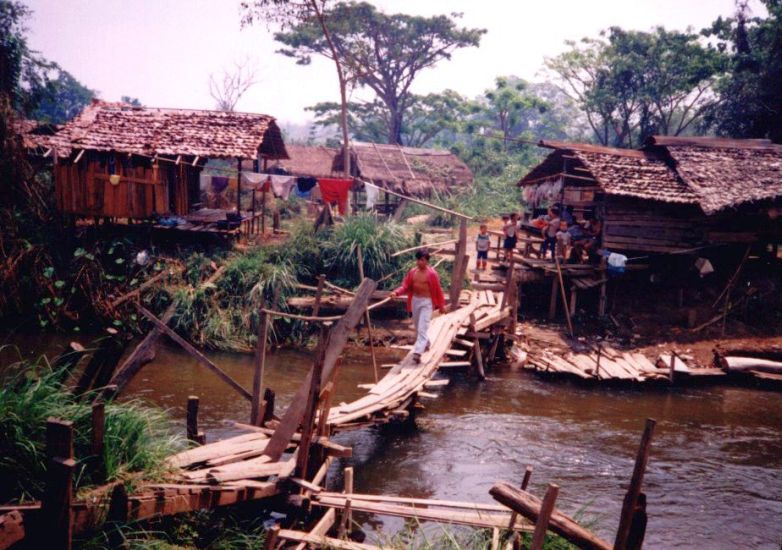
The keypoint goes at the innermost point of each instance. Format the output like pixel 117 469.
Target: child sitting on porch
pixel 563 240
pixel 550 232
pixel 482 245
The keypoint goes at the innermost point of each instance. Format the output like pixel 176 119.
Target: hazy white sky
pixel 163 51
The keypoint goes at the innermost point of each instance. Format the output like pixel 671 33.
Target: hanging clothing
pixel 259 182
pixel 305 184
pixel 336 190
pixel 219 184
pixel 373 193
pixel 282 186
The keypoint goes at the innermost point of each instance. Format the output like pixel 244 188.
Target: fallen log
pixel 741 364
pixel 529 506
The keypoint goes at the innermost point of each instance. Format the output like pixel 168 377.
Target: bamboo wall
pixel 144 189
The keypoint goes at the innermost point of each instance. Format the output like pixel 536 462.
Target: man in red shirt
pixel 422 286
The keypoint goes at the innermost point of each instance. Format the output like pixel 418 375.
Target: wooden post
pixel 672 367
pixel 239 186
pixel 260 364
pixel 263 210
pixel 564 297
pixel 476 348
pixel 96 439
pixel 601 307
pixel 192 421
pixel 552 305
pixel 573 298
pixel 348 476
pixel 524 484
pixel 457 276
pixel 313 396
pixel 633 492
pixel 55 530
pixel 635 540
pixel 252 218
pixel 272 535
pixel 541 525
pixel 268 408
pixel 367 319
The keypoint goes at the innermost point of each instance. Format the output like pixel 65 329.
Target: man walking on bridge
pixel 422 286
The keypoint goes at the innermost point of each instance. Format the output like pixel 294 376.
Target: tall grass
pixel 137 437
pixel 378 241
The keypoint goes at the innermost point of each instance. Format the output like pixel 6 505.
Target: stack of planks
pixel 608 364
pixel 395 392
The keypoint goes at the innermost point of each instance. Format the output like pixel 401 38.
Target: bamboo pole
pixel 417 201
pixel 420 246
pixel 564 296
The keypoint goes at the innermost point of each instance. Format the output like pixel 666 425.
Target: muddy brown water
pixel 714 478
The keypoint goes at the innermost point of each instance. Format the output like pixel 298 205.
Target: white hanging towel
pixel 373 193
pixel 282 186
pixel 254 179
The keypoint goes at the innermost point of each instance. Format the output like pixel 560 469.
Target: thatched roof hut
pixel 308 160
pixel 408 170
pixel 672 195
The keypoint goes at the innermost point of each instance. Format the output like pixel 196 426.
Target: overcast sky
pixel 163 51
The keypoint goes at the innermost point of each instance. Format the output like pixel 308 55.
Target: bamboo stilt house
pixel 123 161
pixel 673 195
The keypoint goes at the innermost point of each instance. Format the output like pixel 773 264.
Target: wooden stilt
pixel 260 365
pixel 541 525
pixel 56 517
pixel 634 491
pixel 319 295
pixel 564 298
pixel 348 486
pixel 268 407
pixel 96 440
pixel 552 305
pixel 192 421
pixel 272 535
pixel 635 540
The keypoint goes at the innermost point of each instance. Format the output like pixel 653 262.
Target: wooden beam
pixel 56 519
pixel 195 353
pixel 417 201
pixel 636 483
pixel 337 340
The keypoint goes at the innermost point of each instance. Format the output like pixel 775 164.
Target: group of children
pixel 569 239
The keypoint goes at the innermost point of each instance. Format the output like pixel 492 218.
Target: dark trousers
pixel 548 243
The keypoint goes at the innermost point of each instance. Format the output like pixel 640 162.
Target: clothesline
pixel 417 201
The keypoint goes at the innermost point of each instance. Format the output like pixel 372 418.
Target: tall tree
pixel 751 95
pixel 312 13
pixel 631 84
pixel 63 99
pixel 429 118
pixel 382 52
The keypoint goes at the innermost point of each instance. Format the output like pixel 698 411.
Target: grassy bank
pixel 137 437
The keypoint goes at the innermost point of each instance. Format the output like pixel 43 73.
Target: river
pixel 714 478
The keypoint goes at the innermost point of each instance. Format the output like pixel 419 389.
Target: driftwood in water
pixel 740 364
pixel 99 369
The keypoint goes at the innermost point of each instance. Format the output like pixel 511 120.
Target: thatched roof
pixel 408 170
pixel 305 160
pixel 710 172
pixel 104 126
pixel 38 136
pixel 725 173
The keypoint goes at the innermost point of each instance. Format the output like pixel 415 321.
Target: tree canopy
pixel 751 105
pixel 632 84
pixel 382 52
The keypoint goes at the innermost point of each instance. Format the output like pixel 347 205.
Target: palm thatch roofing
pixel 407 170
pixel 712 173
pixel 104 126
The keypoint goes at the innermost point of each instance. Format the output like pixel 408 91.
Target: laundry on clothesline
pixel 335 190
pixel 282 186
pixel 373 193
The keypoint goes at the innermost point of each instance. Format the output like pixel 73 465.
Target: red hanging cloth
pixel 335 190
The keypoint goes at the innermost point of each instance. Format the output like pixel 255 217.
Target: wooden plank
pixel 541 525
pixel 195 353
pixel 320 541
